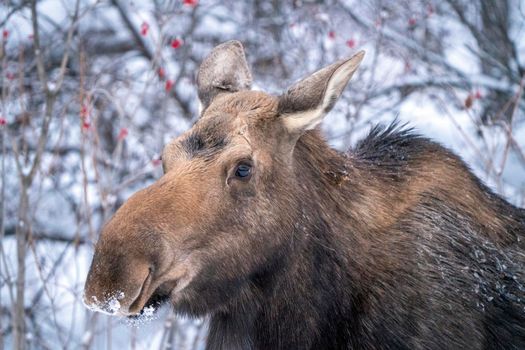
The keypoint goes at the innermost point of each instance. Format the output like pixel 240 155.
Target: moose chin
pixel 286 243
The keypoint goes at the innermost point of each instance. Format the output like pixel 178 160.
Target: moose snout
pixel 117 289
pixel 132 259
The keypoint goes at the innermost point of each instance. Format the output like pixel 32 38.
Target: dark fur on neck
pixel 398 246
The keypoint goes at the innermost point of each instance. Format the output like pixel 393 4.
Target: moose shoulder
pixel 288 244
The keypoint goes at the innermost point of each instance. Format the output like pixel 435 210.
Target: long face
pixel 223 211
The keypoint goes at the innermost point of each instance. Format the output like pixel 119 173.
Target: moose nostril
pixel 138 301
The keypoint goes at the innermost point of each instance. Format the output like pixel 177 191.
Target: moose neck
pixel 294 302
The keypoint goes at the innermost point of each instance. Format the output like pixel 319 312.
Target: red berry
pixel 144 27
pixel 169 85
pixel 5 34
pixel 86 125
pixel 176 43
pixel 3 121
pixel 190 2
pixel 161 73
pixel 84 111
pixel 350 43
pixel 122 133
pixel 478 95
pixel 412 21
pixel 331 34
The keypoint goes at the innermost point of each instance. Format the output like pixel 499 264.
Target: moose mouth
pixel 159 297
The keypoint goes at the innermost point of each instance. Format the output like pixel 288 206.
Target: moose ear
pixel 306 103
pixel 224 70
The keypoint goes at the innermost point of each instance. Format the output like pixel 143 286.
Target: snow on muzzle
pixel 117 288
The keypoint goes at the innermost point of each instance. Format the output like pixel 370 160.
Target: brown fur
pixel 395 245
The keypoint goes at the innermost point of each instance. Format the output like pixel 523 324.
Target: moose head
pixel 222 215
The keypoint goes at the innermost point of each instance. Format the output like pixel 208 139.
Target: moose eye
pixel 243 171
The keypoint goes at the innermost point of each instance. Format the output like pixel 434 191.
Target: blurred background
pixel 92 90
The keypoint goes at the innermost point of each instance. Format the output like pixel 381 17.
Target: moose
pixel 286 243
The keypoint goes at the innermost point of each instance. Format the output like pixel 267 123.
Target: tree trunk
pixel 22 233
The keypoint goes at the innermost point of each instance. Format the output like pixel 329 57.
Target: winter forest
pixel 92 90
